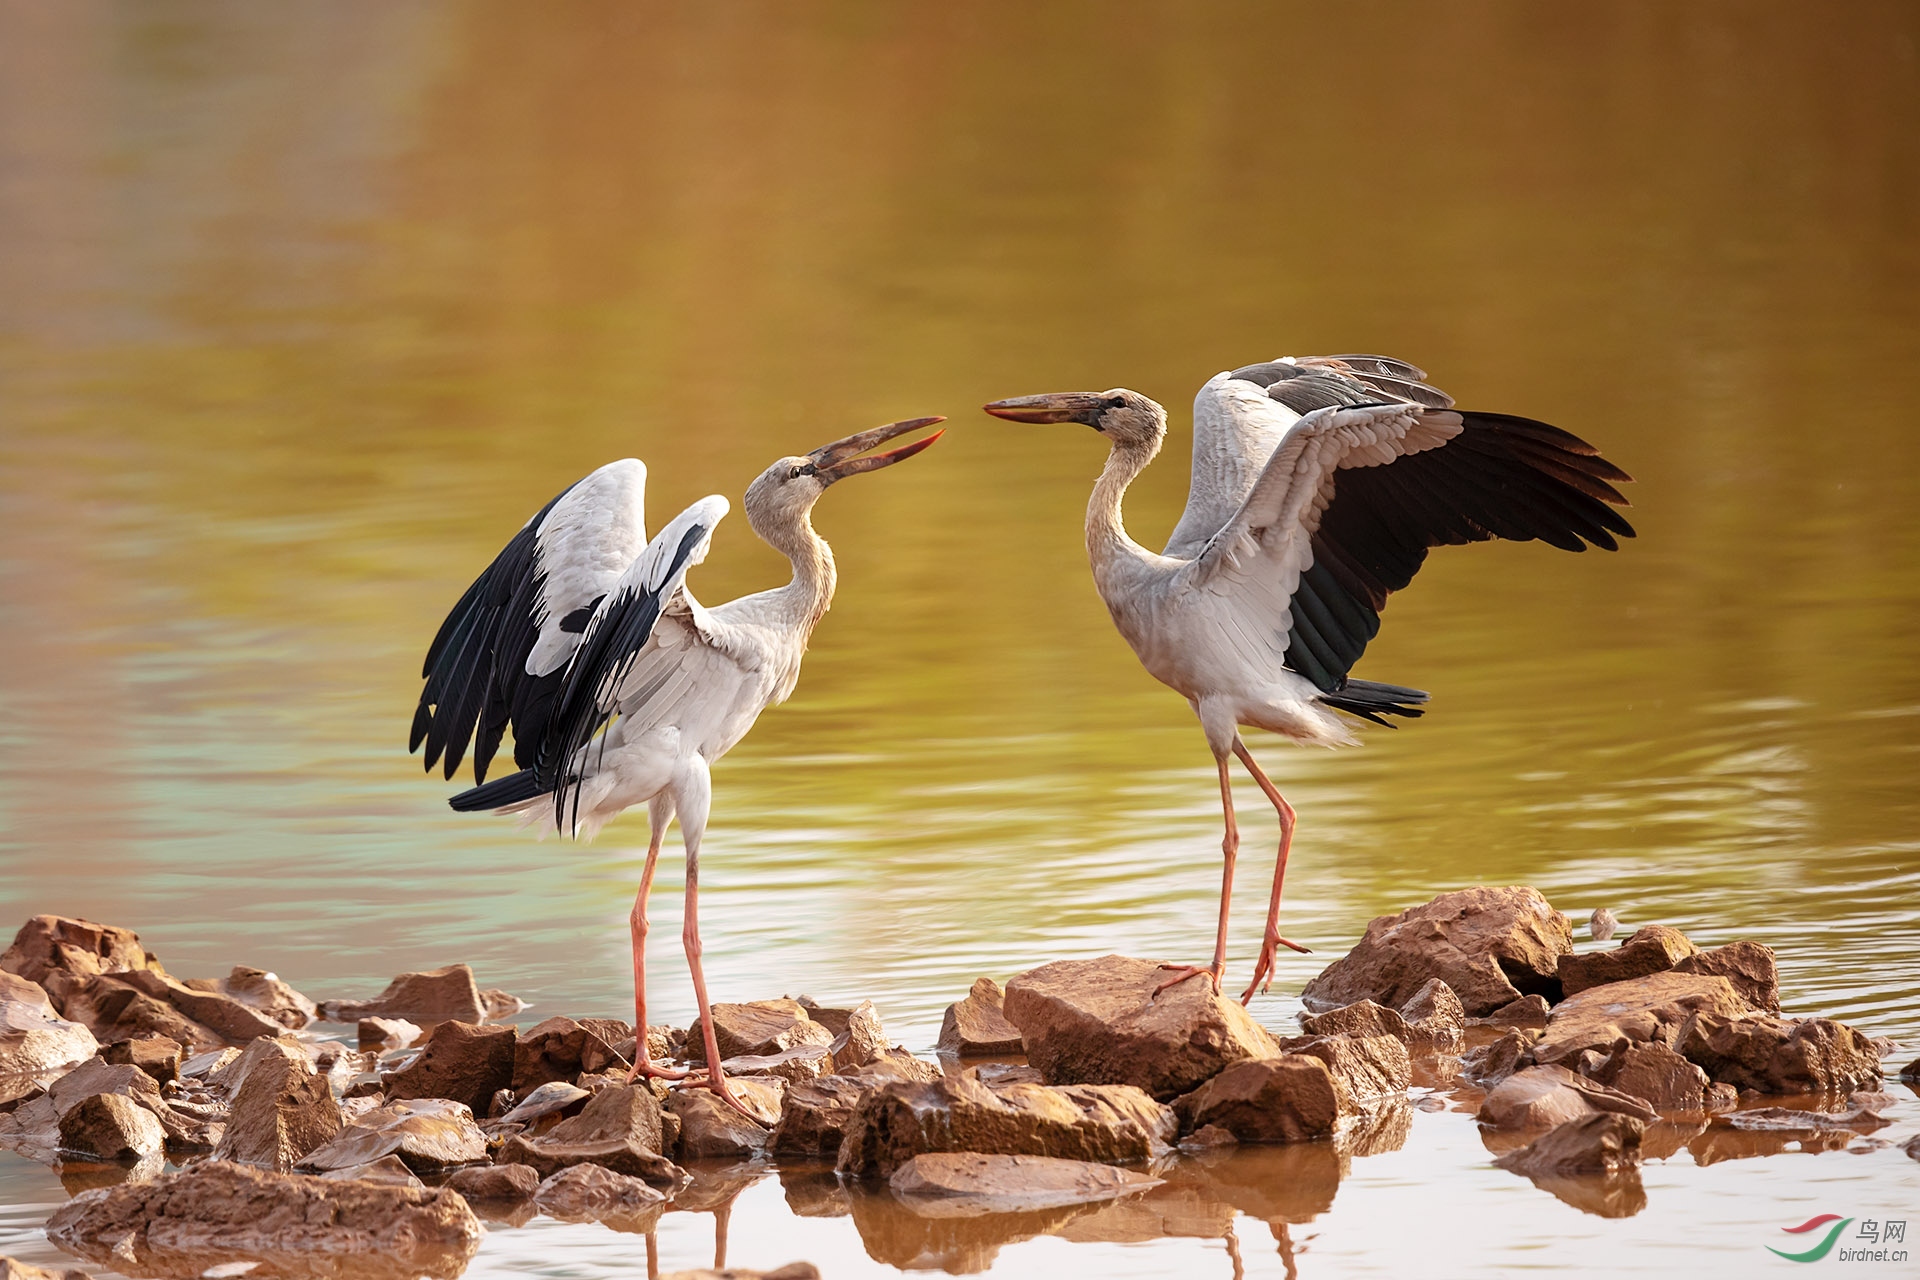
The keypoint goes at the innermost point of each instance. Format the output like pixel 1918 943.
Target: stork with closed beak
pixel 1319 483
pixel 621 688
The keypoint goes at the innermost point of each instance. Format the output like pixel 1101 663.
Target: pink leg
pixel 638 926
pixel 1230 848
pixel 1263 967
pixel 690 937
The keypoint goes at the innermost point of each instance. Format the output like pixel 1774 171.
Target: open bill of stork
pixel 1318 486
pixel 619 687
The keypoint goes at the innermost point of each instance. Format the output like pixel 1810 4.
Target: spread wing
pixel 499 657
pixel 620 632
pixel 1240 417
pixel 1346 508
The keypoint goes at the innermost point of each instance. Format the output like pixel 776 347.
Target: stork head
pixel 1125 417
pixel 788 489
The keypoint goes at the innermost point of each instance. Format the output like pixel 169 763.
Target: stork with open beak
pixel 1318 485
pixel 621 688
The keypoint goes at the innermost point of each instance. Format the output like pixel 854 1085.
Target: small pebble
pixel 1602 924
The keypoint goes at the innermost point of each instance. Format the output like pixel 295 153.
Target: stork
pixel 1319 484
pixel 621 688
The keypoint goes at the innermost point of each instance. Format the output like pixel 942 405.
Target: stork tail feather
pixel 1372 701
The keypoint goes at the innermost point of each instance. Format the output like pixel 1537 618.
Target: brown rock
pixel 1099 1022
pixel 1528 1012
pixel 1652 949
pixel 1291 1098
pixel 807 1062
pixel 438 995
pixel 14 1269
pixel 1772 1055
pixel 1597 1143
pixel 1912 1147
pixel 225 1017
pixel 897 1064
pixel 552 1098
pixel 388 1033
pixel 497 1004
pixel 591 1193
pixel 281 1111
pixel 216 1213
pixel 1542 1097
pixel 964 1183
pixel 710 1129
pixel 1107 1124
pixel 1656 1075
pixel 1436 1020
pixel 814 1114
pixel 759 1029
pixel 1479 941
pixel 993 1074
pixel 862 1040
pixel 1368 1065
pixel 111 1127
pixel 1633 1012
pixel 1795 1120
pixel 1749 966
pixel 463 1062
pixel 621 1127
pixel 15 989
pixel 560 1049
pixel 262 992
pixel 158 1056
pixel 113 1010
pixel 425 1133
pixel 35 1042
pixel 977 1026
pixel 390 1170
pixel 1601 924
pixel 508 1183
pixel 184 1129
pixel 46 944
pixel 1363 1018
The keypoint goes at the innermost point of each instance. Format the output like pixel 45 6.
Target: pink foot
pixel 1182 972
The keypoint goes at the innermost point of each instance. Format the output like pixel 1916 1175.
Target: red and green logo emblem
pixel 1825 1245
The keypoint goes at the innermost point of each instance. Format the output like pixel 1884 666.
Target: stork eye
pixel 1117 402
pixel 804 469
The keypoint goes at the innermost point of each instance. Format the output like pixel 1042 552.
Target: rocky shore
pixel 209 1122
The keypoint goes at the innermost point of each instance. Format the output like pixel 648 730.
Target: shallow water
pixel 304 309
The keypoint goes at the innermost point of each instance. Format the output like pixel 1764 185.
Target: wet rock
pixel 710 1129
pixel 281 1111
pixel 494 1182
pixel 1369 1066
pixel 425 1133
pixel 555 1097
pixel 390 1171
pixel 863 1040
pixel 208 1065
pixel 760 1029
pixel 897 1064
pixel 496 1004
pixel 895 1232
pixel 65 944
pixel 621 1127
pixel 1490 945
pixel 35 1042
pixel 1543 1097
pixel 1378 1127
pixel 1364 1018
pixel 1794 1120
pixel 1772 1055
pixel 807 1062
pixel 438 995
pixel 262 992
pixel 1656 1075
pixel 15 989
pixel 1637 1011
pixel 1099 1022
pixel 14 1269
pixel 1652 949
pixel 560 1049
pixel 111 1127
pixel 158 1056
pixel 1436 1020
pixel 463 1062
pixel 225 1017
pixel 977 1026
pixel 812 1192
pixel 1107 1124
pixel 999 1073
pixel 187 1127
pixel 1601 924
pixel 1596 1143
pixel 1912 1147
pixel 1749 966
pixel 1290 1098
pixel 217 1213
pixel 591 1193
pixel 1528 1012
pixel 814 1114
pixel 965 1182
pixel 114 1010
pixel 386 1033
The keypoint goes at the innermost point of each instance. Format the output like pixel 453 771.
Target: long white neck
pixel 806 598
pixel 1107 542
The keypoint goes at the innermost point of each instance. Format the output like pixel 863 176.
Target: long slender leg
pixel 1230 851
pixel 1263 967
pixel 660 812
pixel 693 795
